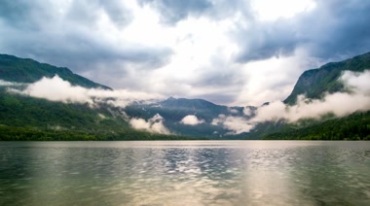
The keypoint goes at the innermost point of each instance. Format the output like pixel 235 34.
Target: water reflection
pixel 336 174
pixel 185 173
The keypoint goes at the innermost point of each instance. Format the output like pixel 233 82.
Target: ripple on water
pixel 185 173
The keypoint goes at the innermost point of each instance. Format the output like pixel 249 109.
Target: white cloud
pixel 191 120
pixel 267 10
pixel 340 104
pixel 247 111
pixel 154 124
pixel 236 125
pixel 272 79
pixel 57 89
pixel 357 82
pixel 4 83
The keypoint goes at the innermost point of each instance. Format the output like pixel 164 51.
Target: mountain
pixel 28 118
pixel 173 111
pixel 15 69
pixel 23 117
pixel 315 82
pixel 23 111
pixel 19 110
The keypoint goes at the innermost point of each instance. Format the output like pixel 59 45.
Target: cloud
pixel 357 82
pixel 195 48
pixel 4 83
pixel 326 36
pixel 247 111
pixel 174 11
pixel 154 124
pixel 236 125
pixel 191 120
pixel 87 11
pixel 57 89
pixel 267 10
pixel 340 104
pixel 265 77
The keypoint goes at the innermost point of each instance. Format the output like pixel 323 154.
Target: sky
pixel 241 52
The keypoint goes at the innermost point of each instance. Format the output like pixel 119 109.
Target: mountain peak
pixel 184 102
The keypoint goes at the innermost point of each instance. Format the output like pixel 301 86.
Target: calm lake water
pixel 185 173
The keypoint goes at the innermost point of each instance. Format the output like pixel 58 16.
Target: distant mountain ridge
pixel 32 116
pixel 15 69
pixel 173 110
pixel 315 82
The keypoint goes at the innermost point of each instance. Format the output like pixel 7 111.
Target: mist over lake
pixel 185 173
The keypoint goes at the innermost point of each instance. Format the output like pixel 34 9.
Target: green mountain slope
pixel 352 127
pixel 314 83
pixel 16 69
pixel 17 110
pixel 26 118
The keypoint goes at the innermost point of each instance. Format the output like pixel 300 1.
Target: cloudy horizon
pixel 233 53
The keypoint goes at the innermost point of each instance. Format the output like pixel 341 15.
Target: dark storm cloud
pixel 32 14
pixel 85 11
pixel 24 14
pixel 267 40
pixel 81 52
pixel 37 30
pixel 174 11
pixel 339 28
pixel 333 28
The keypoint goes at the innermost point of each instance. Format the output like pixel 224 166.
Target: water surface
pixel 185 173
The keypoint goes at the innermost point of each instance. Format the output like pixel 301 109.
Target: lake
pixel 185 173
